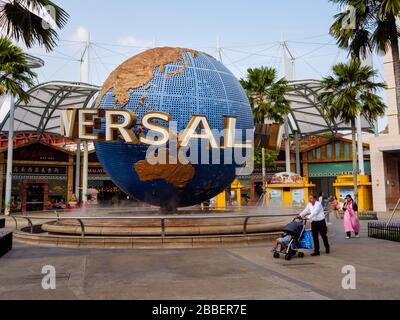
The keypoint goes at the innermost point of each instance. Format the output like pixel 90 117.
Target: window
pixel 337 150
pixel 310 155
pixel 318 153
pixel 329 151
pixel 347 150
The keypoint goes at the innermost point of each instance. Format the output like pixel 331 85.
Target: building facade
pixel 44 178
pixel 323 163
pixel 385 151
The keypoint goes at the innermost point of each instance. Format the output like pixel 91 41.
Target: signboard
pixel 287 178
pixel 275 196
pixel 343 192
pixel 298 198
pixel 33 170
pixel 39 152
pixel 96 171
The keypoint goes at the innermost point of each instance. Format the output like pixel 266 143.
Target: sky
pixel 249 33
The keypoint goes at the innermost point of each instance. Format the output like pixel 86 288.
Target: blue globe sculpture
pixel 183 83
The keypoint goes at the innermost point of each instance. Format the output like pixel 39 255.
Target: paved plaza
pixel 211 273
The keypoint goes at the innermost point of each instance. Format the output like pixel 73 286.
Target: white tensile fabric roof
pixel 42 114
pixel 307 117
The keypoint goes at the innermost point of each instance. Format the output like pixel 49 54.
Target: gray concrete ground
pixel 214 273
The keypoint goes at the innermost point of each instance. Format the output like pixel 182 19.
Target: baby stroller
pixel 301 239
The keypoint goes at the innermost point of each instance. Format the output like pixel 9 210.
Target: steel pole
pixel 85 173
pixel 360 148
pixel 78 170
pixel 287 145
pixel 10 150
pixel 298 160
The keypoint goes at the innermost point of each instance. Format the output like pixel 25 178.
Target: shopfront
pixel 323 163
pixel 40 177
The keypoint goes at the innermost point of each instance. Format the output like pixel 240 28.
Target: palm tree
pixel 374 29
pixel 19 20
pixel 266 94
pixel 267 99
pixel 15 73
pixel 349 93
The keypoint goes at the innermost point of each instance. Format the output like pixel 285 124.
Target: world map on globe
pixel 180 82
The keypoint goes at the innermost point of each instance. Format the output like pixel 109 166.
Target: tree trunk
pixel 355 167
pixel 394 43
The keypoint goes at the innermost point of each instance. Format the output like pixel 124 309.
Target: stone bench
pixel 6 239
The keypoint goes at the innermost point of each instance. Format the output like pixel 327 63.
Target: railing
pixel 162 219
pixel 384 231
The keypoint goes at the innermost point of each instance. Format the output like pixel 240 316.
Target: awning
pixel 307 116
pixel 42 114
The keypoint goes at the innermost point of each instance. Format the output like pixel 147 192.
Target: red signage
pixel 40 152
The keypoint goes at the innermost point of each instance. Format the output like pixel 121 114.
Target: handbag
pixel 306 241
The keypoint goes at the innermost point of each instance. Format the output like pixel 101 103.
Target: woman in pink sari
pixel 351 221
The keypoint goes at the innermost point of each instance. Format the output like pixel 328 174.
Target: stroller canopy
pixel 295 229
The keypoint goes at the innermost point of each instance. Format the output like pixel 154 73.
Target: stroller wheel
pixel 276 255
pixel 301 254
pixel 288 256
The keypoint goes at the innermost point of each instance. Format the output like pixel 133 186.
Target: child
pixel 283 242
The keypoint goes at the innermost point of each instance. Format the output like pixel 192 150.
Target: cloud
pixel 80 35
pixel 131 41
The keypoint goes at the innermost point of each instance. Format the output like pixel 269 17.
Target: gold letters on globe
pixel 82 123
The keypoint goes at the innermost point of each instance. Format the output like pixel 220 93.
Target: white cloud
pixel 133 42
pixel 80 35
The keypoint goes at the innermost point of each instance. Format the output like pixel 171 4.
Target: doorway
pixel 324 185
pixel 35 197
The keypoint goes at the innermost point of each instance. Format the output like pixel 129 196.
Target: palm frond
pixel 350 92
pixel 15 74
pixel 20 22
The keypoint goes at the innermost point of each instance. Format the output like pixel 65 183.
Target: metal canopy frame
pixel 307 116
pixel 42 114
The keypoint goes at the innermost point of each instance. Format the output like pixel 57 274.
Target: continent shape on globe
pixel 181 82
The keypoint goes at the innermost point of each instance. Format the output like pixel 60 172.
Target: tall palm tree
pixel 375 28
pixel 267 99
pixel 266 94
pixel 347 94
pixel 20 20
pixel 15 73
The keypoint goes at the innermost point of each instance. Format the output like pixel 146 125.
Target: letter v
pixel 69 124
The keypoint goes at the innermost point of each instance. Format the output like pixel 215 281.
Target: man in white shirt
pixel 315 213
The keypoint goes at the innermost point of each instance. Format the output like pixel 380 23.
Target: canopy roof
pixel 42 114
pixel 307 117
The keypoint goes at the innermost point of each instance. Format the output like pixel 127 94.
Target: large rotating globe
pixel 182 83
